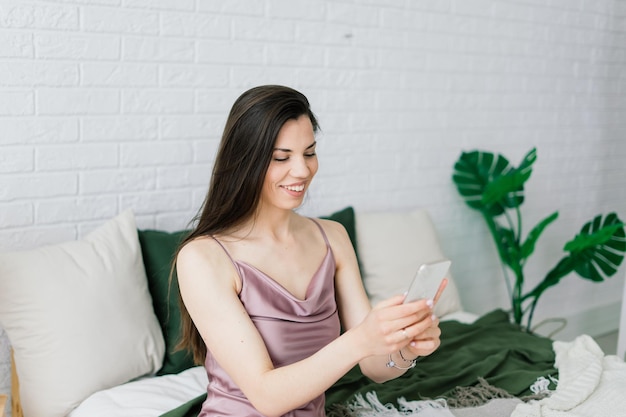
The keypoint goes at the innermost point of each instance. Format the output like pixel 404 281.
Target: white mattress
pixel 148 397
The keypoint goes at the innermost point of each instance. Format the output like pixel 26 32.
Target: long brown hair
pixel 242 160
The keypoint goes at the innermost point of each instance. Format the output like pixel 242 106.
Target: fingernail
pixel 433 317
pixel 429 303
pixel 412 344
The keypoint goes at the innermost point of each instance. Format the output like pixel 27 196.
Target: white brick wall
pixel 109 104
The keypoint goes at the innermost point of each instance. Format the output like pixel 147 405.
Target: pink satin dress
pixel 292 329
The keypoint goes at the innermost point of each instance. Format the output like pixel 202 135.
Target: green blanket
pixel 491 348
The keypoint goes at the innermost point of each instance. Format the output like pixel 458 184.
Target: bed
pixel 487 367
pixel 115 358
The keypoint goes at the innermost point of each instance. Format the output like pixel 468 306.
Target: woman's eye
pixel 280 159
pixel 310 155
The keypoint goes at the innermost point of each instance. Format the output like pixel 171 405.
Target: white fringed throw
pixel 590 384
pixel 370 406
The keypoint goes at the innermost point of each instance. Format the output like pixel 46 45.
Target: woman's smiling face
pixel 293 165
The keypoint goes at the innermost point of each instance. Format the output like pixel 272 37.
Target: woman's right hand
pixel 391 325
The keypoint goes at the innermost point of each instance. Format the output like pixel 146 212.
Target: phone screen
pixel 427 276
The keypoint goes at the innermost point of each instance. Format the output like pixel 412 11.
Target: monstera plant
pixel 491 185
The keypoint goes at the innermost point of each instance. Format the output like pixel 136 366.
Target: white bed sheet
pixel 461 316
pixel 148 397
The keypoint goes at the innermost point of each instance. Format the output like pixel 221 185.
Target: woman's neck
pixel 275 224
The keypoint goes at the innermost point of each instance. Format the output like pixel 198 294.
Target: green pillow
pixel 158 249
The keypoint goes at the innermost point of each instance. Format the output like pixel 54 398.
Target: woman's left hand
pixel 426 342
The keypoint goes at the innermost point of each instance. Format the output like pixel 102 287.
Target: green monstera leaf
pixel 595 253
pixel 529 245
pixel 598 250
pixel 489 183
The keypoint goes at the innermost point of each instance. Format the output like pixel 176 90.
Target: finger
pixel 442 286
pixel 392 301
pixel 400 316
pixel 431 334
pixel 404 335
pixel 423 328
pixel 405 316
pixel 421 309
pixel 424 347
pixel 421 304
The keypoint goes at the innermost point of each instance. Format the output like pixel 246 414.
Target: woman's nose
pixel 300 168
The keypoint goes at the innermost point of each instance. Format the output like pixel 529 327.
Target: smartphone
pixel 427 273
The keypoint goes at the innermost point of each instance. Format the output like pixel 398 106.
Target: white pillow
pixel 392 246
pixel 79 317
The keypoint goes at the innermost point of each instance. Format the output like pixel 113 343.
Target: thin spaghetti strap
pixel 321 230
pixel 227 253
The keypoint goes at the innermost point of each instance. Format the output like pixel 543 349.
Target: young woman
pixel 265 290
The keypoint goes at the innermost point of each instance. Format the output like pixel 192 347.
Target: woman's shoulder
pixel 198 245
pixel 202 258
pixel 335 231
pixel 202 250
pixel 331 226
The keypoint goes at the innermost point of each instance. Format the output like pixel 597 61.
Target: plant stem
pixel 531 313
pixel 517 297
pixel 510 222
pixel 514 289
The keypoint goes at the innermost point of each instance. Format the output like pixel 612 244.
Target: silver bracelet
pixel 393 364
pixel 407 360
